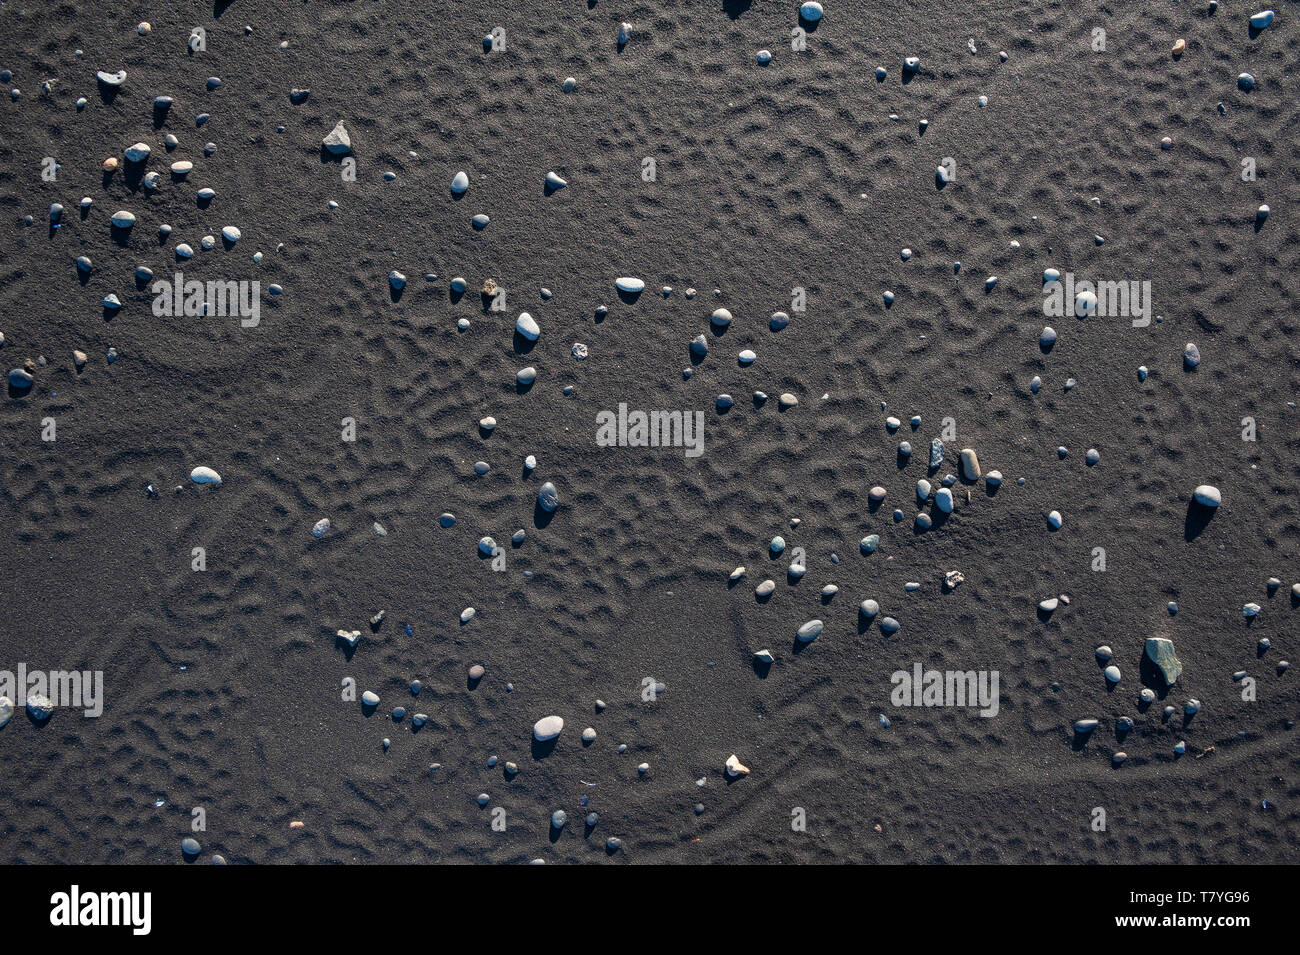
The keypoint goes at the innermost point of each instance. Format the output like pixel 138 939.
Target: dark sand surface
pixel 223 687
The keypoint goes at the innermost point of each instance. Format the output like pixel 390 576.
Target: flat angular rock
pixel 1160 651
pixel 338 141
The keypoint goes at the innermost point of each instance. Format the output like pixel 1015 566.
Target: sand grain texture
pixel 223 686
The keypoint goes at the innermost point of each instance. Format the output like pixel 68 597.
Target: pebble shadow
pixel 1198 518
pixel 542 749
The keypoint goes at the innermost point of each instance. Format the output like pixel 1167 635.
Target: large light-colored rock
pixel 338 141
pixel 547 728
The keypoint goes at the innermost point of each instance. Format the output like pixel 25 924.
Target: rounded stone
pixel 1207 495
pixel 547 728
pixel 527 326
pixel 810 631
pixel 548 499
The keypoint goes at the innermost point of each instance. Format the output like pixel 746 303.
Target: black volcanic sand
pixel 223 687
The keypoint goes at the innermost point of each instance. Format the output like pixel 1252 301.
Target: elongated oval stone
pixel 547 728
pixel 1207 495
pixel 548 499
pixel 809 631
pixel 527 326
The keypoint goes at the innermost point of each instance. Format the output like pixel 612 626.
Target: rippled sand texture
pixel 224 686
